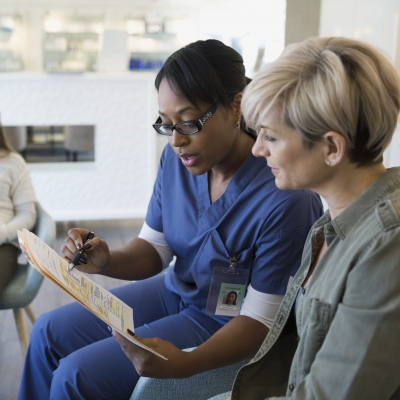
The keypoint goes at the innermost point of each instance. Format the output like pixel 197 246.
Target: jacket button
pixel 291 387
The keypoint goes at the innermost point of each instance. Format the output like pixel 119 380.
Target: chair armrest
pixel 201 386
pixel 45 227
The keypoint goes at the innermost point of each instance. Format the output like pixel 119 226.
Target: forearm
pixel 239 339
pixel 137 260
pixel 25 217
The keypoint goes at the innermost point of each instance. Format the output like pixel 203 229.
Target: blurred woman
pixel 17 207
pixel 325 112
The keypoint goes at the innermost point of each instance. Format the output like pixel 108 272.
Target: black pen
pixel 78 255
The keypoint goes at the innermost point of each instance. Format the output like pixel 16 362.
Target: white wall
pixel 122 108
pixel 375 22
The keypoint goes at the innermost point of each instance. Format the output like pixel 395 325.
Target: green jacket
pixel 346 340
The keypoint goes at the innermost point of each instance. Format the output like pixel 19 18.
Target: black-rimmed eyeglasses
pixel 185 127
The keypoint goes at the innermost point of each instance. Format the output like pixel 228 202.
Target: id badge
pixel 227 288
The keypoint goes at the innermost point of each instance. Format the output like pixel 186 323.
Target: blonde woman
pixel 325 111
pixel 17 207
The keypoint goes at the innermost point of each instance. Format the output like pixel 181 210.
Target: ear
pixel 237 100
pixel 335 148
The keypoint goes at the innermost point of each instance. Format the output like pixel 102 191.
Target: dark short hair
pixel 205 71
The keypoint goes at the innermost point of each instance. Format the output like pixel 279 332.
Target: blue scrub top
pixel 263 227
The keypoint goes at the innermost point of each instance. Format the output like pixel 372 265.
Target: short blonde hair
pixel 330 84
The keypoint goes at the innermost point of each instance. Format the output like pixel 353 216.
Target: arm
pixel 277 255
pixel 21 196
pixel 238 339
pixel 359 358
pixel 25 217
pixel 137 260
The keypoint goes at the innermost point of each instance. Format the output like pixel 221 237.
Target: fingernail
pixel 87 246
pixel 78 245
pixel 83 261
pixel 109 328
pixel 83 258
pixel 130 332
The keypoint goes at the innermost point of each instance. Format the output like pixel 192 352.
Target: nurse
pixel 214 206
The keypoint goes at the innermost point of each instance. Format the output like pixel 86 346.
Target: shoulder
pixel 13 158
pixel 14 161
pixel 387 211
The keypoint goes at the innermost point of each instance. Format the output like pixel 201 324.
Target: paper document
pixel 94 297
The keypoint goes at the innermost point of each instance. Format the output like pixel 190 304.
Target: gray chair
pixel 200 387
pixel 79 138
pixel 23 288
pixel 17 137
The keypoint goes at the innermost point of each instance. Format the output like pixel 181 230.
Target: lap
pixel 8 264
pixel 84 343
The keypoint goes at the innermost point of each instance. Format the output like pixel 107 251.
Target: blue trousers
pixel 71 354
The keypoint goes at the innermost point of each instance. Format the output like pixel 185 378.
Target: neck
pixel 347 185
pixel 236 156
pixel 220 175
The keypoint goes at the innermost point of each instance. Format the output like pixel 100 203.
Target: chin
pixel 283 185
pixel 196 170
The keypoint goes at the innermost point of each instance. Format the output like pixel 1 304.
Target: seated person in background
pixel 17 207
pixel 214 205
pixel 326 110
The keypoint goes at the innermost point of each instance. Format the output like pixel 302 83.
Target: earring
pixel 238 123
pixel 328 162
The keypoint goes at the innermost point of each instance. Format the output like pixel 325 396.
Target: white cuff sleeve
pixel 157 240
pixel 261 306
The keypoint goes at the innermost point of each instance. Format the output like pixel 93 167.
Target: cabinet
pixel 149 46
pixel 11 43
pixel 71 44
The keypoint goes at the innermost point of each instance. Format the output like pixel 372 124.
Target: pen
pixel 77 256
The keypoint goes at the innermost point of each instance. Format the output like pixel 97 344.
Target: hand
pixel 95 258
pixel 149 365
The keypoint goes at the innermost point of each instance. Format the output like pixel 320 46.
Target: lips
pixel 188 160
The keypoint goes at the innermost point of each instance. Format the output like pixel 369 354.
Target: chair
pixel 79 138
pixel 200 387
pixel 17 136
pixel 25 285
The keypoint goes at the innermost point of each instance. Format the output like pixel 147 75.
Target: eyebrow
pixel 181 111
pixel 267 127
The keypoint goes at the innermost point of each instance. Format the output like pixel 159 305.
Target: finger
pixel 67 252
pixel 126 345
pixel 77 235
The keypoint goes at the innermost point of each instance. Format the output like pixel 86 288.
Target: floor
pixel 117 234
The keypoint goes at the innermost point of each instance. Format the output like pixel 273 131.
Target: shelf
pixel 72 33
pixel 158 36
pixel 71 51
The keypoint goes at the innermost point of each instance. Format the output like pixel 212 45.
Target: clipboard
pixel 80 287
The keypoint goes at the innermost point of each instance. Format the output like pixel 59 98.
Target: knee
pixel 67 381
pixel 40 329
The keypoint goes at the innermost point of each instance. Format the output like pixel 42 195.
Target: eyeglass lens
pixel 183 127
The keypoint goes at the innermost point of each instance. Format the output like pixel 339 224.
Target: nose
pixel 178 139
pixel 260 149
